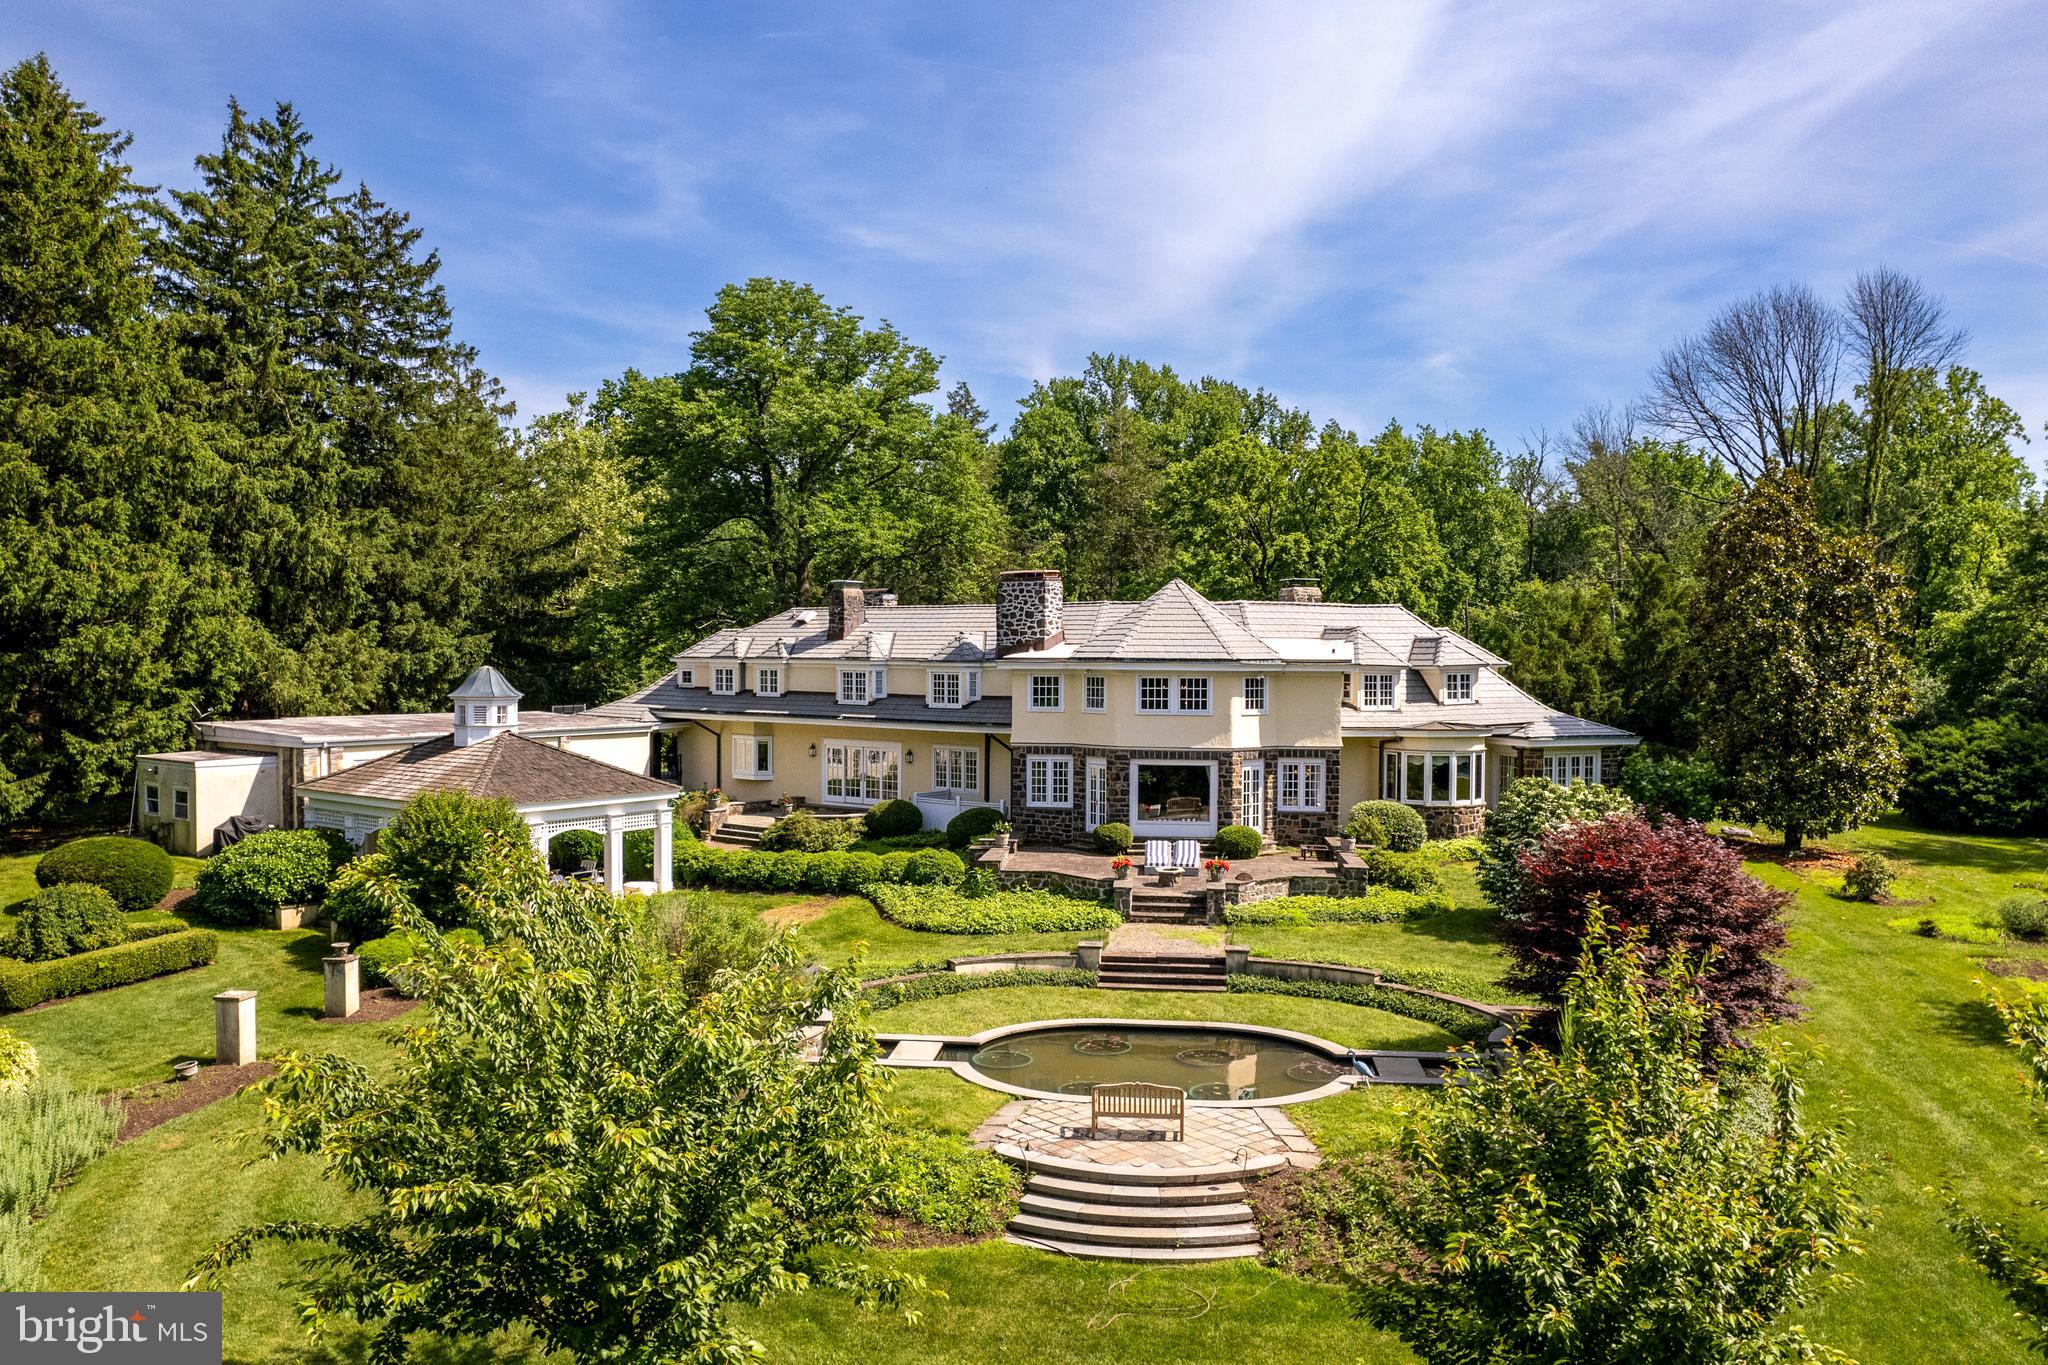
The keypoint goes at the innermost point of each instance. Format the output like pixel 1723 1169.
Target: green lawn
pixel 1905 1049
pixel 845 926
pixel 18 877
pixel 1454 952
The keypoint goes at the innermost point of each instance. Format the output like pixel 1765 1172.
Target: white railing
pixel 939 807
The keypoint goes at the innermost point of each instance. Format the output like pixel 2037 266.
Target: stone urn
pixel 1347 843
pixel 185 1070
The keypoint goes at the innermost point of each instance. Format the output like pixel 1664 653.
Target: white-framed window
pixel 956 770
pixel 858 774
pixel 753 756
pixel 1155 694
pixel 1565 769
pixel 686 677
pixel 1045 694
pixel 503 715
pixel 1301 784
pixel 181 804
pixel 945 688
pixel 152 799
pixel 1254 695
pixel 1048 780
pixel 767 681
pixel 878 683
pixel 1194 696
pixel 725 679
pixel 1376 691
pixel 1458 686
pixel 1164 696
pixel 853 686
pixel 1094 693
pixel 974 684
pixel 1430 779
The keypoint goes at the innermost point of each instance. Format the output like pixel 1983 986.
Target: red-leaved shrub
pixel 1681 886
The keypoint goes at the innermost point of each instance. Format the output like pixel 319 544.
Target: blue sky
pixel 1473 215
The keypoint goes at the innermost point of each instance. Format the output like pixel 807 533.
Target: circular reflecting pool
pixel 1210 1062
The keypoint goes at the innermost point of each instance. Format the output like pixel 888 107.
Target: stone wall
pixel 1453 822
pixel 1069 825
pixel 1030 610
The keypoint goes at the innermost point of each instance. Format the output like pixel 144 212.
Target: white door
pixel 1097 809
pixel 1251 796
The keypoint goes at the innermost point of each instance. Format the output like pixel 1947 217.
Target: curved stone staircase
pixel 1138 1213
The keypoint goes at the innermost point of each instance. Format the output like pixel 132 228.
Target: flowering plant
pixel 1215 865
pixel 1119 865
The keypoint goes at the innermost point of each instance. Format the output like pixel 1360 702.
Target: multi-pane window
pixel 853 686
pixel 1457 686
pixel 768 682
pixel 1045 692
pixel 1194 694
pixel 860 774
pixel 1095 692
pixel 1425 779
pixel 1160 696
pixel 946 689
pixel 1254 695
pixel 1301 784
pixel 502 716
pixel 686 677
pixel 1048 780
pixel 753 756
pixel 1565 769
pixel 181 804
pixel 1155 694
pixel 152 802
pixel 725 680
pixel 1376 690
pixel 956 770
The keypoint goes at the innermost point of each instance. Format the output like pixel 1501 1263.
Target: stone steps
pixel 1141 1195
pixel 1088 1251
pixel 1135 1213
pixel 1149 972
pixel 1126 1235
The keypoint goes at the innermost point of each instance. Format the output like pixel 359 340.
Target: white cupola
pixel 486 706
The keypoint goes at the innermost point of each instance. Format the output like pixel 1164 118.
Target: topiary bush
pixel 934 867
pixel 1530 808
pixel 135 872
pixel 1113 837
pixel 1870 878
pixel 2024 916
pixel 889 818
pixel 61 920
pixel 1415 871
pixel 247 881
pixel 973 823
pixel 568 850
pixel 942 910
pixel 1238 842
pixel 802 832
pixel 1387 824
pixel 1689 788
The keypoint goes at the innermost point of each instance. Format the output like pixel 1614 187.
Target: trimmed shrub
pixel 70 918
pixel 1113 837
pixel 1460 1023
pixel 942 910
pixel 18 1064
pixel 973 823
pixel 886 819
pixel 31 983
pixel 568 850
pixel 135 872
pixel 1238 842
pixel 802 832
pixel 437 843
pixel 825 872
pixel 1415 871
pixel 1377 906
pixel 938 1181
pixel 2024 916
pixel 934 867
pixel 1530 808
pixel 1988 776
pixel 247 881
pixel 384 959
pixel 937 983
pixel 1387 824
pixel 863 870
pixel 1689 788
pixel 1870 878
pixel 750 870
pixel 1453 850
pixel 906 843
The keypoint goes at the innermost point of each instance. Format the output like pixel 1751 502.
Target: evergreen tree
pixel 116 627
pixel 1797 665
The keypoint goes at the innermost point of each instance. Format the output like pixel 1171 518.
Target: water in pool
pixel 1208 1063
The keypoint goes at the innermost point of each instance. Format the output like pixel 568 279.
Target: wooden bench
pixel 1138 1100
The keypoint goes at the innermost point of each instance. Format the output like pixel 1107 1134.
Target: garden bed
pixel 148 1106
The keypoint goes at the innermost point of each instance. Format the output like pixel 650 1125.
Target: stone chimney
pixel 1301 590
pixel 846 606
pixel 1030 604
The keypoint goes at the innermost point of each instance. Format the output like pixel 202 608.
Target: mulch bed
pixel 147 1106
pixel 379 1003
pixel 2030 968
pixel 175 899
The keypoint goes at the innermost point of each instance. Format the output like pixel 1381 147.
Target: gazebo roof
pixel 520 770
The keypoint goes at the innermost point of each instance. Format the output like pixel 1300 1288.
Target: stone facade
pixel 846 607
pixel 1030 610
pixel 1069 825
pixel 1453 822
pixel 1301 590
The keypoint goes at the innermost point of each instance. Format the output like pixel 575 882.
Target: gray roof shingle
pixel 511 766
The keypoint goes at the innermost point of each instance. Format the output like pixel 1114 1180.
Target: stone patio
pixel 1070 863
pixel 1214 1137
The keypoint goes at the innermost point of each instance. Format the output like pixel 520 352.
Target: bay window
pixel 1565 769
pixel 1433 779
pixel 753 756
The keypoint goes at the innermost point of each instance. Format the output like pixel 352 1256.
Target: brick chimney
pixel 846 606
pixel 1301 590
pixel 1029 606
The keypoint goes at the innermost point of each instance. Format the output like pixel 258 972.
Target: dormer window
pixel 1376 691
pixel 853 686
pixel 725 680
pixel 947 688
pixel 1458 686
pixel 686 677
pixel 767 682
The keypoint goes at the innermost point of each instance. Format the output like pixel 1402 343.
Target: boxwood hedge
pixel 887 995
pixel 30 983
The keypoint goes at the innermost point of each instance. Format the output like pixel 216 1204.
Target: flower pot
pixel 1346 842
pixel 1216 874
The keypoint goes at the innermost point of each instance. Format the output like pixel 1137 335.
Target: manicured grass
pixel 973 1011
pixel 18 877
pixel 1456 952
pixel 850 925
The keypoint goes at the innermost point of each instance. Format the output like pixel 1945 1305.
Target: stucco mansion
pixel 1175 715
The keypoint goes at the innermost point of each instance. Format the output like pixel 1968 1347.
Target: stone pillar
pixel 1235 957
pixel 1212 900
pixel 664 849
pixel 1088 955
pixel 344 983
pixel 234 1028
pixel 614 855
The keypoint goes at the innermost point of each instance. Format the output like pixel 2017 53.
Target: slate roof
pixel 520 770
pixel 666 701
pixel 1503 710
pixel 1175 624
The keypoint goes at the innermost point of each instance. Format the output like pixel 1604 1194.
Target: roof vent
pixel 1301 590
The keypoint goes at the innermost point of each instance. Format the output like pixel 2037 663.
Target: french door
pixel 1251 796
pixel 860 774
pixel 1097 793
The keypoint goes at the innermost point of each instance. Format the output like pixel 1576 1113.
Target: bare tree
pixel 1757 387
pixel 1898 328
